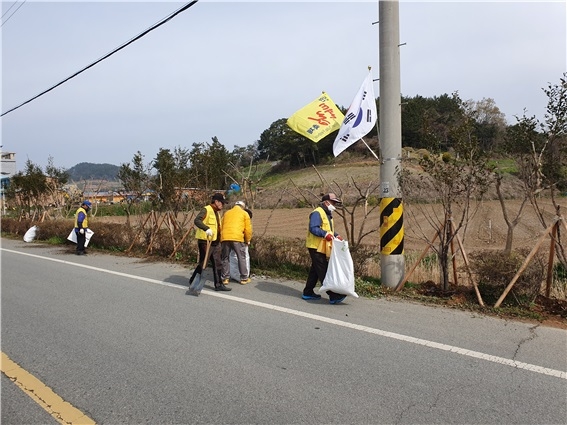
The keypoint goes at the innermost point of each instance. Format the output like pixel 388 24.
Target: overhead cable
pixel 13 13
pixel 153 27
pixel 7 10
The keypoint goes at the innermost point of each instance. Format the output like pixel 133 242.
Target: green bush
pixel 505 165
pixel 373 200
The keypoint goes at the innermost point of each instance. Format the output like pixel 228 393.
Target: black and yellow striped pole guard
pixel 391 226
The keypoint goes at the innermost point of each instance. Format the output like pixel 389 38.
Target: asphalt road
pixel 117 339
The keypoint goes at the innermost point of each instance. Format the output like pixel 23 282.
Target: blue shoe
pixel 337 300
pixel 311 297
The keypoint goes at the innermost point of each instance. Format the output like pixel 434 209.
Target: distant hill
pixel 89 171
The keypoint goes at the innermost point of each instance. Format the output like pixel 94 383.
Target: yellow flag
pixel 318 119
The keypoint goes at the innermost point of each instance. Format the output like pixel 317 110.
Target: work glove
pixel 82 231
pixel 209 233
pixel 329 237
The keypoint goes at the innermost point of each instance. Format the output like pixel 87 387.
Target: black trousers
pixel 81 239
pixel 214 258
pixel 317 272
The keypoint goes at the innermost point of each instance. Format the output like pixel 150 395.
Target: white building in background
pixel 7 170
pixel 8 167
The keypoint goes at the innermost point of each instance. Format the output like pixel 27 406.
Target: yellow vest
pixel 85 221
pixel 210 220
pixel 313 241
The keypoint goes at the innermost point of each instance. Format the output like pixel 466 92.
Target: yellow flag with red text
pixel 317 119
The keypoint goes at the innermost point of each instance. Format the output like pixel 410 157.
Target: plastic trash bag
pixel 73 236
pixel 30 235
pixel 234 270
pixel 340 273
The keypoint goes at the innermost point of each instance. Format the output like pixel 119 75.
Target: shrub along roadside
pixel 287 258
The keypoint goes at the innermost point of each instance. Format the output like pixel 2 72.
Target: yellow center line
pixel 62 411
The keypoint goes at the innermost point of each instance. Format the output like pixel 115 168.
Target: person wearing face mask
pixel 321 227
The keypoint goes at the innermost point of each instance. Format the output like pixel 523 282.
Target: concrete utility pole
pixel 392 262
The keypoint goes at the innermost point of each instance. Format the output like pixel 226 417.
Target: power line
pixel 10 8
pixel 153 27
pixel 13 13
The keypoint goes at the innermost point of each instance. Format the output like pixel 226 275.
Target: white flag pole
pixel 373 153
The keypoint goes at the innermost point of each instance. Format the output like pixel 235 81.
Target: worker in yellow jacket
pixel 208 223
pixel 81 226
pixel 321 230
pixel 236 233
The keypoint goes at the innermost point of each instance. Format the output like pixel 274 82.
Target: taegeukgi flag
pixel 318 119
pixel 359 119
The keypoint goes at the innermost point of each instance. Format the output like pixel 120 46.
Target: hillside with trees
pixel 89 171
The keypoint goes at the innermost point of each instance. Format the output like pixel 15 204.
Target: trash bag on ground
pixel 30 235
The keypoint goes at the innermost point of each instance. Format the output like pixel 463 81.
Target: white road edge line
pixel 374 331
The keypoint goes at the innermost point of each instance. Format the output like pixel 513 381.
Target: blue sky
pixel 230 69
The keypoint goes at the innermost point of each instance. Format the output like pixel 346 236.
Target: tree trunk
pixel 509 238
pixel 444 264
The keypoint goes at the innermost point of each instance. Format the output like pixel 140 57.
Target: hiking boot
pixel 245 281
pixel 225 281
pixel 222 287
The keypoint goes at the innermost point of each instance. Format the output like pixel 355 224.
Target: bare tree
pixel 457 180
pixel 248 178
pixel 511 223
pixel 56 179
pixel 540 151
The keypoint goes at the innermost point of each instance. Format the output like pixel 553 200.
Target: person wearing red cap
pixel 321 229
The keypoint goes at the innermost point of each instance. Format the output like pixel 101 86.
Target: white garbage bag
pixel 340 273
pixel 30 235
pixel 73 236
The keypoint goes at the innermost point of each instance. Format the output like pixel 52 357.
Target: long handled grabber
pixel 198 283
